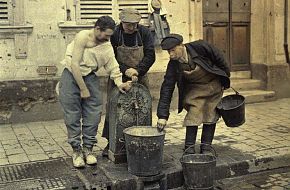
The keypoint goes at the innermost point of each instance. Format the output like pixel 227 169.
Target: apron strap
pixel 139 35
pixel 136 40
pixel 121 38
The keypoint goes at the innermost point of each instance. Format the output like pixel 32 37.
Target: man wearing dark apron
pixel 134 50
pixel 201 74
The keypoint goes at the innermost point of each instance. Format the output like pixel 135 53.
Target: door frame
pixel 229 24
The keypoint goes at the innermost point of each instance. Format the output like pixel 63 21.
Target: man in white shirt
pixel 79 88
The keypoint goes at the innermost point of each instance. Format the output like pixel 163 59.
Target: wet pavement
pixel 278 179
pixel 51 174
pixel 40 175
pixel 262 143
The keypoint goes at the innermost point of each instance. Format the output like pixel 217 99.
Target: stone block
pixel 18 158
pixel 36 157
pixel 4 161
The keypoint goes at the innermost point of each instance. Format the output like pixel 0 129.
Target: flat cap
pixel 130 15
pixel 171 41
pixel 156 4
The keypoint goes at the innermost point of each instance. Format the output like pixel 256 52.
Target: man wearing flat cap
pixel 134 51
pixel 201 74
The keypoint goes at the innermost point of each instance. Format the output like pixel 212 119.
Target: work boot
pixel 207 136
pixel 190 138
pixel 105 152
pixel 78 158
pixel 89 157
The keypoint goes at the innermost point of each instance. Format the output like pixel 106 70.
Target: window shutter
pixel 140 5
pixel 5 12
pixel 91 10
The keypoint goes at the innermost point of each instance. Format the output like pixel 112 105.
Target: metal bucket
pixel 199 169
pixel 144 148
pixel 232 109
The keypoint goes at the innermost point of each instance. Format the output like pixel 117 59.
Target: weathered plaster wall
pixel 267 52
pixel 46 46
pixel 257 31
pixel 8 62
pixel 45 43
pixel 185 18
pixel 267 31
pixel 28 96
pixel 278 15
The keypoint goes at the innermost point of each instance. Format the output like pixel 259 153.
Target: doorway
pixel 226 25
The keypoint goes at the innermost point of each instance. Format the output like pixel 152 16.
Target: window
pixel 89 11
pixel 5 12
pixel 13 25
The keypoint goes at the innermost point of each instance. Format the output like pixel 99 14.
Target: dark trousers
pixel 207 134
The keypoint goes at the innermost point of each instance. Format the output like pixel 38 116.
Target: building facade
pixel 34 35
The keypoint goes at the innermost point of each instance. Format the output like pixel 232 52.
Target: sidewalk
pixel 278 179
pixel 263 142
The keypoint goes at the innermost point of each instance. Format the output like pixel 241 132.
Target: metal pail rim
pixel 243 102
pixel 153 131
pixel 213 157
pixel 211 149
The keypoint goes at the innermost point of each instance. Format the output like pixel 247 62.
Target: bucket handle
pixel 211 149
pixel 237 93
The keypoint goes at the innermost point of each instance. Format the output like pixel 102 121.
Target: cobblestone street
pixel 276 180
pixel 265 135
pixel 69 65
pixel 266 132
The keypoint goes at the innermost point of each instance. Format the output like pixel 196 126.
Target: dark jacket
pixel 204 55
pixel 144 38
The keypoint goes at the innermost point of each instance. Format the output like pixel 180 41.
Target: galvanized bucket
pixel 199 169
pixel 144 148
pixel 232 109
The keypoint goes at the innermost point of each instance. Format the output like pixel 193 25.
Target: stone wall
pixel 30 54
pixel 47 42
pixel 27 83
pixel 267 51
pixel 45 45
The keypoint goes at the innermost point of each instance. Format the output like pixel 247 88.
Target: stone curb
pixel 175 176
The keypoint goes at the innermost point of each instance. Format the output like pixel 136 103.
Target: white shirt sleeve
pixel 112 67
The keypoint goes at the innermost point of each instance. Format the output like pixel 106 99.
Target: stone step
pixel 245 84
pixel 241 75
pixel 252 96
pixel 162 59
pixel 237 81
pixel 255 96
